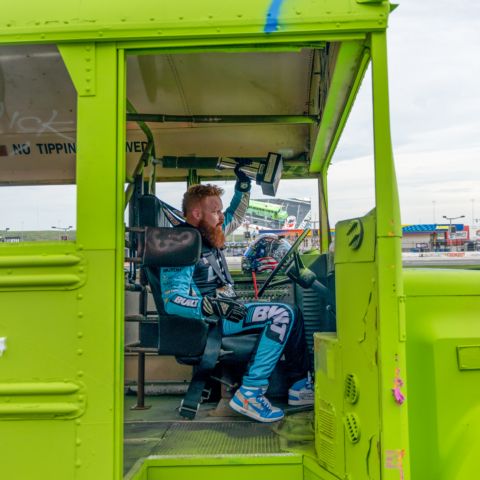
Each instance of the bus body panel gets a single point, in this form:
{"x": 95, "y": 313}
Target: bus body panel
{"x": 443, "y": 361}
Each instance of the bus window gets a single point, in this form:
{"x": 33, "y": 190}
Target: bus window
{"x": 288, "y": 190}
{"x": 351, "y": 188}
{"x": 36, "y": 213}
{"x": 171, "y": 193}
{"x": 286, "y": 214}
{"x": 37, "y": 146}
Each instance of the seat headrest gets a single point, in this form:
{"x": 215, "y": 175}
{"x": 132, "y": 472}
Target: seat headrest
{"x": 171, "y": 247}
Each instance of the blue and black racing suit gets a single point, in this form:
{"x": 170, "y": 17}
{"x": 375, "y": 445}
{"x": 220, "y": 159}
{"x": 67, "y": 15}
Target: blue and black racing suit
{"x": 280, "y": 325}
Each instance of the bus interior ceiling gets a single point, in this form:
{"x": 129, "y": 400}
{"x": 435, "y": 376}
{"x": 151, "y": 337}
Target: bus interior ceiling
{"x": 225, "y": 104}
{"x": 274, "y": 97}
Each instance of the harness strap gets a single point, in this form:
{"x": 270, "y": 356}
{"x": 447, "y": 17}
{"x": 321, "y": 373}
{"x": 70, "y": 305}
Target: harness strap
{"x": 222, "y": 273}
{"x": 225, "y": 268}
{"x": 192, "y": 399}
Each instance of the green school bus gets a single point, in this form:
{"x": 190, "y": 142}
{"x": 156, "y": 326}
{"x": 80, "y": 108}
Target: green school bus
{"x": 116, "y": 99}
{"x": 268, "y": 210}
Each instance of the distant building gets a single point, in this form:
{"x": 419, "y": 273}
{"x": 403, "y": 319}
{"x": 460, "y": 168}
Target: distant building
{"x": 10, "y": 239}
{"x": 428, "y": 237}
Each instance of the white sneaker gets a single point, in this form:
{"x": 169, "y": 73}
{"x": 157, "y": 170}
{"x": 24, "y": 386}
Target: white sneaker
{"x": 301, "y": 393}
{"x": 251, "y": 401}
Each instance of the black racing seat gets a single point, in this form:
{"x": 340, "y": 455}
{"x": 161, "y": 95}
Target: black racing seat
{"x": 185, "y": 338}
{"x": 191, "y": 341}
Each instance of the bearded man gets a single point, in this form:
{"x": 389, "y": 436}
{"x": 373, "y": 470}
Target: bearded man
{"x": 206, "y": 289}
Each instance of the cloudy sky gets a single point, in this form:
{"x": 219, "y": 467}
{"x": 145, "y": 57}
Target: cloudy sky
{"x": 434, "y": 66}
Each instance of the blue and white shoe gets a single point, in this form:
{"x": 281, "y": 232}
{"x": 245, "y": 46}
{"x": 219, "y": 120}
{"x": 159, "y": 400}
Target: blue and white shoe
{"x": 251, "y": 401}
{"x": 301, "y": 393}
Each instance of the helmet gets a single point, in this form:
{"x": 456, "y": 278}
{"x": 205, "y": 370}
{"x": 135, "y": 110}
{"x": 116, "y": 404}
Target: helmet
{"x": 264, "y": 253}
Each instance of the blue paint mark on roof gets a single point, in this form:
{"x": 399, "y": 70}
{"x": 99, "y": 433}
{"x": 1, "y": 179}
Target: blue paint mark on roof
{"x": 271, "y": 25}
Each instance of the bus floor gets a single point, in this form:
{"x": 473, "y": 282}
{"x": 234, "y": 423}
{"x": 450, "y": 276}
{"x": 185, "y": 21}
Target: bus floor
{"x": 160, "y": 430}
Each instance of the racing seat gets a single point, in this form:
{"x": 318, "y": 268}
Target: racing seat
{"x": 191, "y": 341}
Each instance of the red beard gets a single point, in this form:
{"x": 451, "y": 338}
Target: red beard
{"x": 212, "y": 235}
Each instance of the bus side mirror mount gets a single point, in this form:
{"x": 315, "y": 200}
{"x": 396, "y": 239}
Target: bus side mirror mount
{"x": 266, "y": 173}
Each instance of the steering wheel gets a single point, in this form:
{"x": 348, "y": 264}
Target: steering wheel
{"x": 287, "y": 259}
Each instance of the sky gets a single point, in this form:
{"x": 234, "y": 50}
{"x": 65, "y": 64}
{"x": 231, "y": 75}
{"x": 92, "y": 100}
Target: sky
{"x": 434, "y": 67}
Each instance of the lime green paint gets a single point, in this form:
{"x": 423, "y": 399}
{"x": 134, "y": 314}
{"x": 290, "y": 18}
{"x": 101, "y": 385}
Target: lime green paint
{"x": 61, "y": 394}
{"x": 39, "y": 260}
{"x": 468, "y": 357}
{"x": 73, "y": 336}
{"x": 358, "y": 343}
{"x": 89, "y": 20}
{"x": 119, "y": 333}
{"x": 452, "y": 282}
{"x": 56, "y": 377}
{"x": 58, "y": 265}
{"x": 444, "y": 413}
{"x": 370, "y": 341}
{"x": 53, "y": 388}
{"x": 249, "y": 43}
{"x": 386, "y": 192}
{"x": 82, "y": 66}
{"x": 96, "y": 133}
{"x": 391, "y": 346}
{"x": 313, "y": 471}
{"x": 151, "y": 48}
{"x": 24, "y": 411}
{"x": 274, "y": 467}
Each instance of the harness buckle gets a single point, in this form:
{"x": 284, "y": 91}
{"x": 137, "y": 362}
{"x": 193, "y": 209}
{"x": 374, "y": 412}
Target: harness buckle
{"x": 188, "y": 412}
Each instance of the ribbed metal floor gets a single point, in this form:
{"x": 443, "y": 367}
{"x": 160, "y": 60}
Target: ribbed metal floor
{"x": 206, "y": 438}
{"x": 143, "y": 439}
{"x": 159, "y": 431}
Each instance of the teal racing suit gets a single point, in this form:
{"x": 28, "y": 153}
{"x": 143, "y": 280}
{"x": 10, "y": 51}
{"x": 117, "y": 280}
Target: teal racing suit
{"x": 280, "y": 325}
